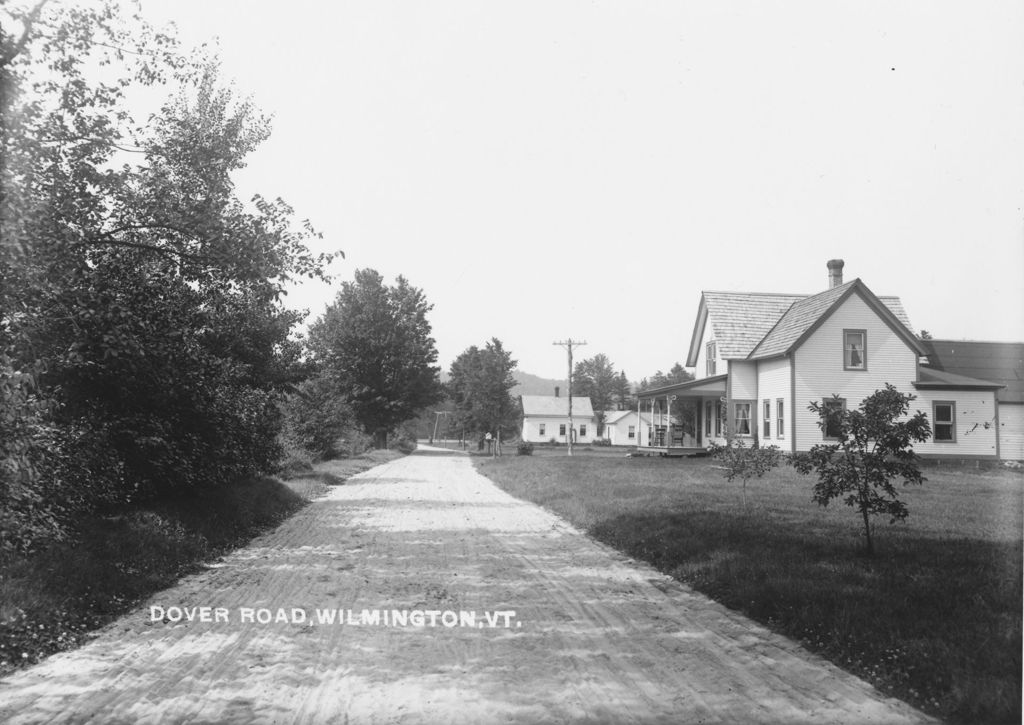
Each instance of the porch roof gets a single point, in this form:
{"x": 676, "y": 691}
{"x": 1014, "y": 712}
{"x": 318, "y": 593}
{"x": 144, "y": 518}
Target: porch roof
{"x": 713, "y": 385}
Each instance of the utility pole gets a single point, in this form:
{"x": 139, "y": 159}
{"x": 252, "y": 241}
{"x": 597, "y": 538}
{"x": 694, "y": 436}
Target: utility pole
{"x": 568, "y": 345}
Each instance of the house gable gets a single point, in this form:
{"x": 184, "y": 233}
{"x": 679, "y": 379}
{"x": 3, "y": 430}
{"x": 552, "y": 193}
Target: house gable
{"x": 805, "y": 316}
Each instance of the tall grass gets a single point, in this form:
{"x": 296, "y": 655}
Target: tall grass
{"x": 934, "y": 618}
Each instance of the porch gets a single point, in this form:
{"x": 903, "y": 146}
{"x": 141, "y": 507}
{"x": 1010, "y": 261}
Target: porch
{"x": 681, "y": 419}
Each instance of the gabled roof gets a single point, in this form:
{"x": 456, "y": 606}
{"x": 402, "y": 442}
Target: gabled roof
{"x": 741, "y": 321}
{"x": 611, "y": 417}
{"x": 550, "y": 405}
{"x": 805, "y": 315}
{"x": 998, "y": 362}
{"x": 940, "y": 379}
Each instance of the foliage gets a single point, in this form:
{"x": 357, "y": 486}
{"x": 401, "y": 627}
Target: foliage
{"x": 622, "y": 392}
{"x": 874, "y": 447}
{"x": 374, "y": 343}
{"x": 677, "y": 374}
{"x": 595, "y": 378}
{"x": 740, "y": 461}
{"x": 525, "y": 448}
{"x": 143, "y": 346}
{"x": 478, "y": 385}
{"x": 317, "y": 417}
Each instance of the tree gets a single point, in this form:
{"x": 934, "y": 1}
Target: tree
{"x": 143, "y": 345}
{"x": 374, "y": 341}
{"x": 622, "y": 392}
{"x": 874, "y": 447}
{"x": 594, "y": 378}
{"x": 479, "y": 384}
{"x": 739, "y": 461}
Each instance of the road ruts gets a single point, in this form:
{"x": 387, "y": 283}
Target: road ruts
{"x": 601, "y": 638}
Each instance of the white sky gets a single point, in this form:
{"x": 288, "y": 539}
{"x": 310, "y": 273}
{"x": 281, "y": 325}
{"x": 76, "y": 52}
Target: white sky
{"x": 553, "y": 169}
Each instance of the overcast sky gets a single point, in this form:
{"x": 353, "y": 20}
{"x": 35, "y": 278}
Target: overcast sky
{"x": 545, "y": 170}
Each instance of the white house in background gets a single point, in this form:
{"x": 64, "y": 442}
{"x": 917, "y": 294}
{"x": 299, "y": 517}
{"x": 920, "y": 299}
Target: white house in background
{"x": 621, "y": 427}
{"x": 999, "y": 362}
{"x": 546, "y": 418}
{"x": 762, "y": 358}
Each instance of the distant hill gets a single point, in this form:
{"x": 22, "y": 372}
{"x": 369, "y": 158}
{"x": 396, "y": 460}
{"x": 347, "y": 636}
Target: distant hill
{"x": 527, "y": 384}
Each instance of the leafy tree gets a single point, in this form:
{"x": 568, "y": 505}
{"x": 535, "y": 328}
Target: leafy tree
{"x": 739, "y": 461}
{"x": 622, "y": 392}
{"x": 374, "y": 341}
{"x": 479, "y": 384}
{"x": 317, "y": 417}
{"x": 874, "y": 447}
{"x": 143, "y": 346}
{"x": 595, "y": 378}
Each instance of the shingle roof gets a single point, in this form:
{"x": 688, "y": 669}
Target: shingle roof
{"x": 550, "y": 405}
{"x": 760, "y": 325}
{"x": 740, "y": 320}
{"x": 999, "y": 362}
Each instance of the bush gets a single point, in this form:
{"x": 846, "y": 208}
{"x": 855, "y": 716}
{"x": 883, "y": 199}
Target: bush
{"x": 601, "y": 442}
{"x": 525, "y": 448}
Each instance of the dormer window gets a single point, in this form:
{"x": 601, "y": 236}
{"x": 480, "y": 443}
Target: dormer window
{"x": 855, "y": 350}
{"x": 712, "y": 357}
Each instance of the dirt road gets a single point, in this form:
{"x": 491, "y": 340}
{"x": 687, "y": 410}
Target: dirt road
{"x": 595, "y": 637}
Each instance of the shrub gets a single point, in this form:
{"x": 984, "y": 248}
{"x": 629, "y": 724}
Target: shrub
{"x": 601, "y": 442}
{"x": 525, "y": 448}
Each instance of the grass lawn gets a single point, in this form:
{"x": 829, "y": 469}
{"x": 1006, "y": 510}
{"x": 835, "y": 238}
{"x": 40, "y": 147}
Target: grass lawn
{"x": 934, "y": 618}
{"x": 51, "y": 600}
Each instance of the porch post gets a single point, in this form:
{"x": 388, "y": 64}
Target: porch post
{"x": 639, "y": 420}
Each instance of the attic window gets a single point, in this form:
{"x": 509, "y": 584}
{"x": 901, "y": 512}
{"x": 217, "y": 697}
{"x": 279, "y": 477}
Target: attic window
{"x": 855, "y": 350}
{"x": 712, "y": 357}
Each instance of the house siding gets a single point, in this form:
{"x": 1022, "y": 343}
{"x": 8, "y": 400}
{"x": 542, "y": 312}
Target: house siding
{"x": 773, "y": 384}
{"x": 975, "y": 422}
{"x": 531, "y": 429}
{"x": 820, "y": 373}
{"x": 1011, "y": 432}
{"x": 700, "y": 370}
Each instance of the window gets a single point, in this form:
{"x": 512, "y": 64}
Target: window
{"x": 742, "y": 418}
{"x": 712, "y": 357}
{"x": 855, "y": 350}
{"x": 707, "y": 418}
{"x": 561, "y": 429}
{"x": 780, "y": 419}
{"x": 832, "y": 427}
{"x": 944, "y": 421}
{"x": 541, "y": 429}
{"x": 767, "y": 420}
{"x": 583, "y": 431}
{"x": 632, "y": 432}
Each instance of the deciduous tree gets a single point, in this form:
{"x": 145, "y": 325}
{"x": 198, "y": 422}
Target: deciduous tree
{"x": 479, "y": 383}
{"x": 874, "y": 448}
{"x": 375, "y": 342}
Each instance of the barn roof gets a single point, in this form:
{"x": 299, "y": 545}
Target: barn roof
{"x": 556, "y": 406}
{"x": 998, "y": 362}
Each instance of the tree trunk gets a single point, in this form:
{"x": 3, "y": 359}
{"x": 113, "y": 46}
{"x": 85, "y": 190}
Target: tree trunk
{"x": 380, "y": 439}
{"x": 869, "y": 547}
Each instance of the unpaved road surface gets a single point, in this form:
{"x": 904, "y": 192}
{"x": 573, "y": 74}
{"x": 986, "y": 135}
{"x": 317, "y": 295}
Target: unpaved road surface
{"x": 596, "y": 637}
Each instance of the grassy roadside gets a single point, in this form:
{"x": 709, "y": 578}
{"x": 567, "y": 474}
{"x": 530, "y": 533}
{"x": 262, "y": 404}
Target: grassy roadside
{"x": 934, "y": 619}
{"x": 52, "y": 600}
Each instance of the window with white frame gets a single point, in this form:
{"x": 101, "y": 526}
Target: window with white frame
{"x": 780, "y": 418}
{"x": 540, "y": 429}
{"x": 712, "y": 357}
{"x": 632, "y": 432}
{"x": 741, "y": 418}
{"x": 944, "y": 421}
{"x": 766, "y": 419}
{"x": 583, "y": 431}
{"x": 708, "y": 408}
{"x": 561, "y": 430}
{"x": 855, "y": 350}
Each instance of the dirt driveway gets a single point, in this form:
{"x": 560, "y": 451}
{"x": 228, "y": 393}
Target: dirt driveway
{"x": 595, "y": 636}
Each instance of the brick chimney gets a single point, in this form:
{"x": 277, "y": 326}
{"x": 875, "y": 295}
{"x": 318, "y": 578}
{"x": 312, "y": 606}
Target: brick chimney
{"x": 835, "y": 273}
{"x": 556, "y": 391}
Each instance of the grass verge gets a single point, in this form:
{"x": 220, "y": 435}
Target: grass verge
{"x": 52, "y": 600}
{"x": 934, "y": 618}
